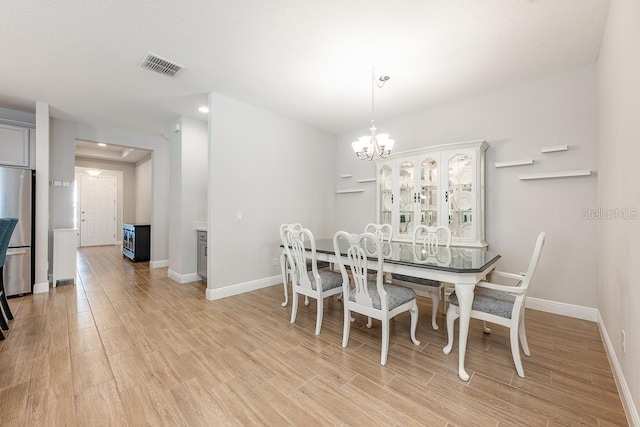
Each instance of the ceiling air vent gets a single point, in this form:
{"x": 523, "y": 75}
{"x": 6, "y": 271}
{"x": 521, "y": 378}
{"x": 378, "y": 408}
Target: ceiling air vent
{"x": 160, "y": 65}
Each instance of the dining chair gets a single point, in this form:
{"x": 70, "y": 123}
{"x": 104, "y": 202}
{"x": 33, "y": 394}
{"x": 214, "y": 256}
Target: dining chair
{"x": 427, "y": 241}
{"x": 501, "y": 304}
{"x": 285, "y": 265}
{"x": 314, "y": 283}
{"x": 370, "y": 296}
{"x": 7, "y": 225}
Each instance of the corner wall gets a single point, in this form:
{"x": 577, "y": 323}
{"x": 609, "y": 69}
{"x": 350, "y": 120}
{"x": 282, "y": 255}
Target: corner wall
{"x": 272, "y": 170}
{"x": 618, "y": 183}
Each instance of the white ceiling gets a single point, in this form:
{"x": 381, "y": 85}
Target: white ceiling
{"x": 308, "y": 60}
{"x": 114, "y": 153}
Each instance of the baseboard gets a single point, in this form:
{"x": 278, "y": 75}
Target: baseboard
{"x": 40, "y": 288}
{"x": 623, "y": 389}
{"x": 183, "y": 278}
{"x": 159, "y": 264}
{"x": 563, "y": 309}
{"x": 240, "y": 288}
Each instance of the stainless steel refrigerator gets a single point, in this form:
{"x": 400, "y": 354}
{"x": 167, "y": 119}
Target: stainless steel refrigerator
{"x": 17, "y": 200}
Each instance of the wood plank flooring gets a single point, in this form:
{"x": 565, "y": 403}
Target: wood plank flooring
{"x": 125, "y": 345}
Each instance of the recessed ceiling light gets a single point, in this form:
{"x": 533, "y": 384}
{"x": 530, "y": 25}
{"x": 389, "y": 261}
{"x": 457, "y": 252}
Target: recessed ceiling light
{"x": 203, "y": 109}
{"x": 101, "y": 144}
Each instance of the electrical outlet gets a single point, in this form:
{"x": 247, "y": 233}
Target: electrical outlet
{"x": 239, "y": 216}
{"x": 624, "y": 342}
{"x": 274, "y": 262}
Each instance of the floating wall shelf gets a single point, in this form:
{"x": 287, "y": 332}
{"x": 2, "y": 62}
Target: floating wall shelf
{"x": 564, "y": 174}
{"x": 353, "y": 190}
{"x": 367, "y": 180}
{"x": 346, "y": 175}
{"x": 513, "y": 163}
{"x": 554, "y": 148}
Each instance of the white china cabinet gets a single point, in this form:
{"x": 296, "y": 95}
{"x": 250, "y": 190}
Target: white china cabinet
{"x": 436, "y": 186}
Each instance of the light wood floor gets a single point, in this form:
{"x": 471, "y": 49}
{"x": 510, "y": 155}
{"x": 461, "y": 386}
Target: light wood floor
{"x": 127, "y": 346}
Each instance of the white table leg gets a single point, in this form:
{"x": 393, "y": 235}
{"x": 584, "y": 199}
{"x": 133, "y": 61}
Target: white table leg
{"x": 465, "y": 300}
{"x": 285, "y": 279}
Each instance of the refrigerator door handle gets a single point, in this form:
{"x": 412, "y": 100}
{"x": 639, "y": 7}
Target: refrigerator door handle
{"x": 16, "y": 252}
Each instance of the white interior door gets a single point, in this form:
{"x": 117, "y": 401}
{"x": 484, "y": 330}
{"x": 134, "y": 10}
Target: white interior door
{"x": 97, "y": 210}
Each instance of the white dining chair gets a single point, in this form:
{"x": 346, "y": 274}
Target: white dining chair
{"x": 314, "y": 283}
{"x": 501, "y": 304}
{"x": 368, "y": 297}
{"x": 427, "y": 242}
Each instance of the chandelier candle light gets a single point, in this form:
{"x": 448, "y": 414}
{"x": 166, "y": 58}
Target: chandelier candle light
{"x": 367, "y": 147}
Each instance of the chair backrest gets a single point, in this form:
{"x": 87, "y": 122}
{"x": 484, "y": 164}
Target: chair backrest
{"x": 534, "y": 260}
{"x": 430, "y": 239}
{"x": 384, "y": 233}
{"x": 7, "y": 225}
{"x": 296, "y": 241}
{"x": 357, "y": 260}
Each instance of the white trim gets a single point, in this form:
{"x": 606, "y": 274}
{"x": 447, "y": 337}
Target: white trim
{"x": 513, "y": 163}
{"x": 554, "y": 148}
{"x": 355, "y": 190}
{"x": 563, "y": 174}
{"x": 623, "y": 388}
{"x": 40, "y": 288}
{"x": 183, "y": 278}
{"x": 159, "y": 264}
{"x": 563, "y": 309}
{"x": 240, "y": 288}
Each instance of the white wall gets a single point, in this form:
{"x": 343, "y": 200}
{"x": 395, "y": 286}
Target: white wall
{"x": 271, "y": 169}
{"x": 64, "y": 134}
{"x": 188, "y": 172}
{"x": 618, "y": 180}
{"x": 516, "y": 122}
{"x": 143, "y": 184}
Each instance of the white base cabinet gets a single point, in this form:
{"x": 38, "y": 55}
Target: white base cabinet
{"x": 65, "y": 244}
{"x": 435, "y": 186}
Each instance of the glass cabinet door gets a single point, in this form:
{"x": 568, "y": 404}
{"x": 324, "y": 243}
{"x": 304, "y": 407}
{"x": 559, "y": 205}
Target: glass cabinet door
{"x": 461, "y": 202}
{"x": 429, "y": 192}
{"x": 385, "y": 182}
{"x": 408, "y": 198}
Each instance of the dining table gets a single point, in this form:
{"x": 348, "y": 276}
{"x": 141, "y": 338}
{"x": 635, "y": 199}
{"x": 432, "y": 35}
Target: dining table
{"x": 464, "y": 267}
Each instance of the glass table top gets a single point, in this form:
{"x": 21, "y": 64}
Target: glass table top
{"x": 454, "y": 259}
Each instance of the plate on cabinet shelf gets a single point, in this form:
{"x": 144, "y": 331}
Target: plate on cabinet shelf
{"x": 465, "y": 230}
{"x": 463, "y": 201}
{"x": 386, "y": 184}
{"x": 387, "y": 203}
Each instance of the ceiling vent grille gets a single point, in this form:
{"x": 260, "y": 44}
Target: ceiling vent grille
{"x": 160, "y": 65}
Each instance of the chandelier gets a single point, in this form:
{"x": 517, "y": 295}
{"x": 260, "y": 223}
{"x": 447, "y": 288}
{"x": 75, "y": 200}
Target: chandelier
{"x": 367, "y": 147}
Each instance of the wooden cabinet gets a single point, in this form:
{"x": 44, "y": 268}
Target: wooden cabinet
{"x": 136, "y": 242}
{"x": 65, "y": 244}
{"x": 202, "y": 254}
{"x": 15, "y": 145}
{"x": 435, "y": 186}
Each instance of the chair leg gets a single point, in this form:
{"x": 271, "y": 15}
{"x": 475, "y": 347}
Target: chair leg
{"x": 414, "y": 322}
{"x": 294, "y": 305}
{"x": 515, "y": 350}
{"x": 435, "y": 302}
{"x": 319, "y": 309}
{"x": 452, "y": 314}
{"x": 485, "y": 329}
{"x": 345, "y": 329}
{"x": 3, "y": 323}
{"x": 3, "y": 296}
{"x": 385, "y": 342}
{"x": 1, "y": 336}
{"x": 523, "y": 337}
{"x": 369, "y": 322}
{"x": 306, "y": 300}
{"x": 285, "y": 278}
